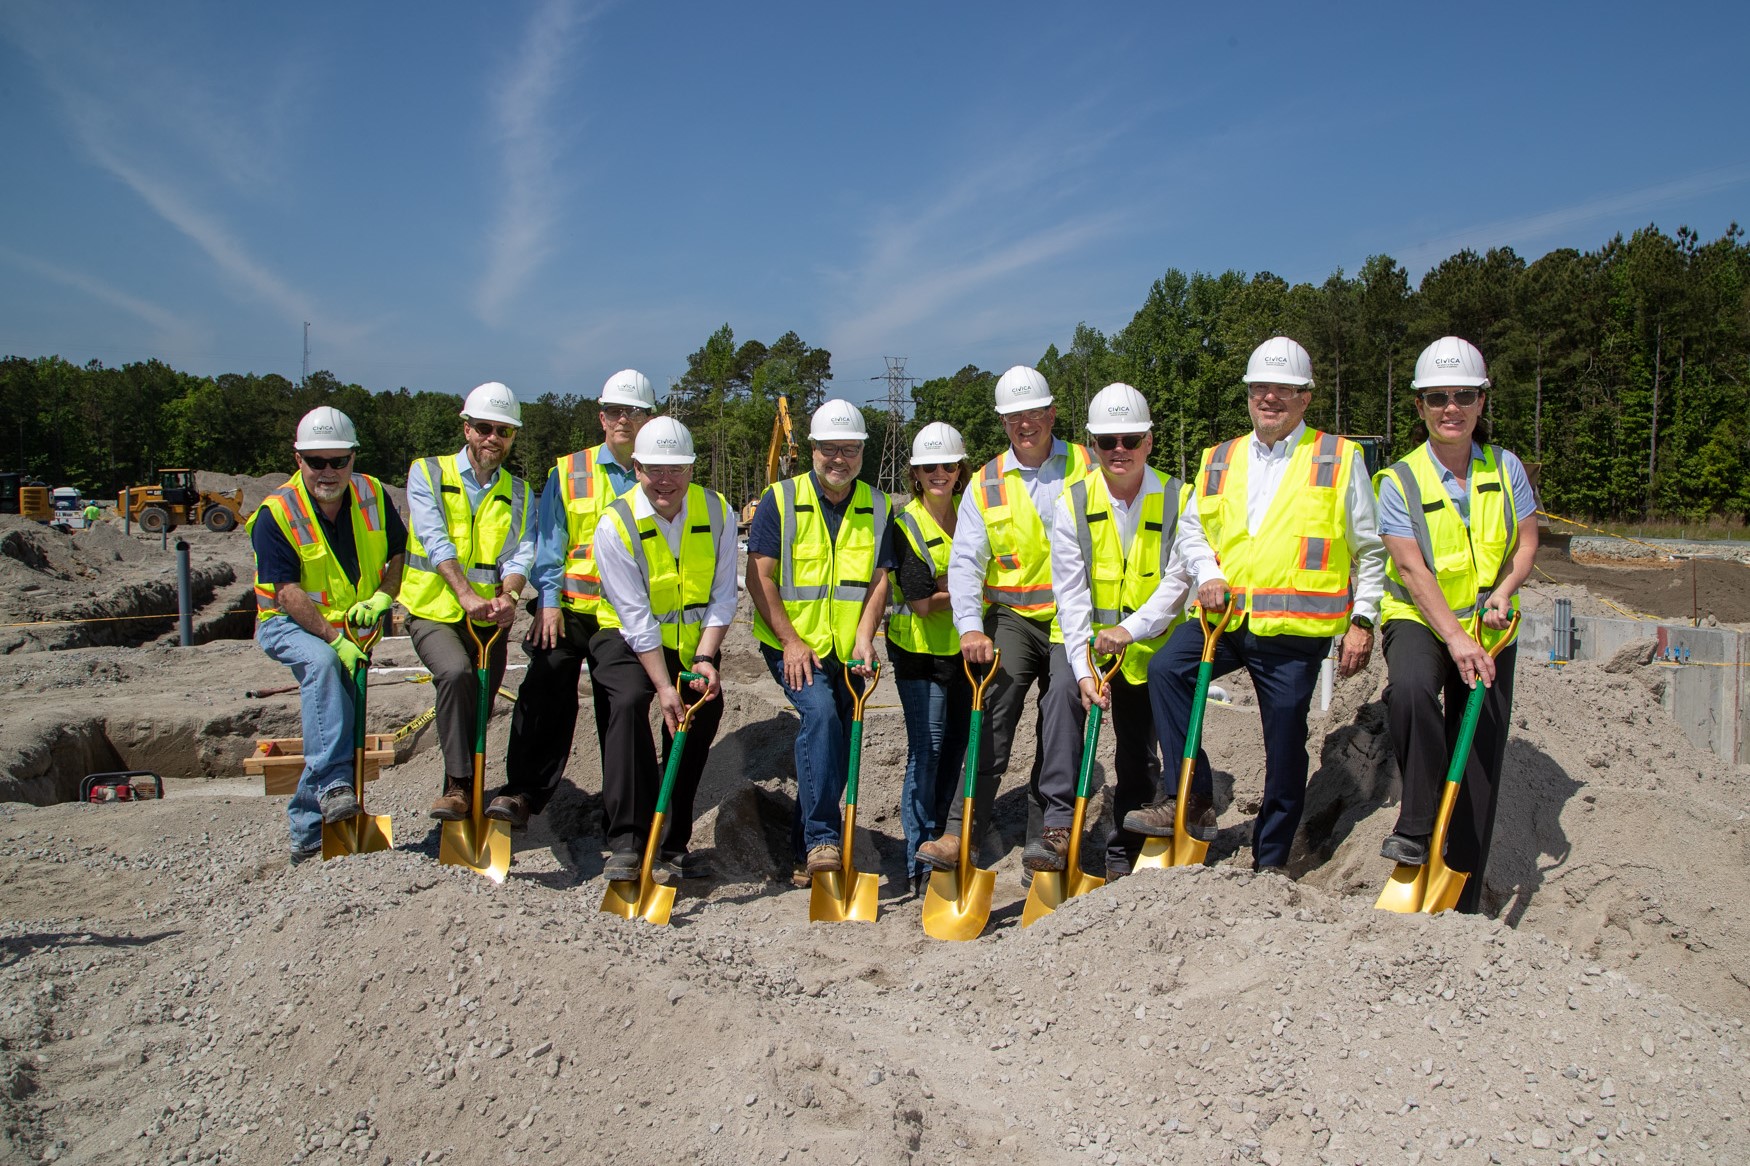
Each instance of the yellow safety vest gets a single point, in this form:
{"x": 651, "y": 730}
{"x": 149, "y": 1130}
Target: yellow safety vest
{"x": 479, "y": 537}
{"x": 1121, "y": 583}
{"x": 933, "y": 634}
{"x": 319, "y": 572}
{"x": 679, "y": 589}
{"x": 586, "y": 490}
{"x": 1018, "y": 575}
{"x": 1465, "y": 560}
{"x": 824, "y": 582}
{"x": 1293, "y": 575}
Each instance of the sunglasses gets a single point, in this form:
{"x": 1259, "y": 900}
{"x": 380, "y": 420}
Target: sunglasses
{"x": 1111, "y": 441}
{"x": 937, "y": 467}
{"x": 839, "y": 452}
{"x": 623, "y": 412}
{"x": 326, "y": 463}
{"x": 1463, "y": 398}
{"x": 488, "y": 429}
{"x": 1282, "y": 392}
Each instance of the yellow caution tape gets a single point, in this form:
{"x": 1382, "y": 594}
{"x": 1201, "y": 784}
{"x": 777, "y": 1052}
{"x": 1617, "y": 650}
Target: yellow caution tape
{"x": 417, "y": 723}
{"x": 1666, "y": 551}
{"x": 112, "y": 618}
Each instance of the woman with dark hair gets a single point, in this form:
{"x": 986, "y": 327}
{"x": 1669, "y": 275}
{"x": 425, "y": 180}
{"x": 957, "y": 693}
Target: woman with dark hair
{"x": 923, "y": 646}
{"x": 1454, "y": 515}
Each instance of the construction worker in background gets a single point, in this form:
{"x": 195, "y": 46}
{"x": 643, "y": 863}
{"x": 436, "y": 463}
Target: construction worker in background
{"x": 1280, "y": 523}
{"x": 922, "y": 645}
{"x": 1456, "y": 516}
{"x": 470, "y": 553}
{"x": 91, "y": 515}
{"x": 666, "y": 554}
{"x": 331, "y": 551}
{"x": 999, "y": 581}
{"x": 818, "y": 554}
{"x": 573, "y": 501}
{"x": 1118, "y": 584}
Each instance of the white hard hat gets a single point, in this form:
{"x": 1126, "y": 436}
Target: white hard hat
{"x": 1279, "y": 361}
{"x": 664, "y": 442}
{"x": 326, "y": 427}
{"x": 1022, "y": 388}
{"x": 1450, "y": 362}
{"x": 1118, "y": 408}
{"x": 837, "y": 420}
{"x": 937, "y": 443}
{"x": 493, "y": 401}
{"x": 629, "y": 387}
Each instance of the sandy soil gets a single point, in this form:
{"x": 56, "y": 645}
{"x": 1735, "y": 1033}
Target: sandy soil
{"x": 174, "y": 992}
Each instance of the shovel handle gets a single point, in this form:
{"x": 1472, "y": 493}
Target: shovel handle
{"x": 860, "y": 694}
{"x": 693, "y": 707}
{"x": 1473, "y": 708}
{"x": 365, "y": 642}
{"x": 482, "y": 647}
{"x": 1102, "y": 677}
{"x": 978, "y": 686}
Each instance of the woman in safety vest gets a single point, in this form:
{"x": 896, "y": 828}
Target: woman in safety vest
{"x": 1454, "y": 515}
{"x": 923, "y": 646}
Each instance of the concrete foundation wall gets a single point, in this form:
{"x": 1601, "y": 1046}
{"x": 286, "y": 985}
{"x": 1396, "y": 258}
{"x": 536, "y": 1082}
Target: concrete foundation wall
{"x": 1706, "y": 682}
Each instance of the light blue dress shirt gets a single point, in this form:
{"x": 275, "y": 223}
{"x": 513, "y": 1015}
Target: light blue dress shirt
{"x": 427, "y": 519}
{"x": 1394, "y": 517}
{"x": 555, "y": 541}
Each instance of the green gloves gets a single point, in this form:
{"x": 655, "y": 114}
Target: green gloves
{"x": 366, "y": 612}
{"x": 352, "y": 657}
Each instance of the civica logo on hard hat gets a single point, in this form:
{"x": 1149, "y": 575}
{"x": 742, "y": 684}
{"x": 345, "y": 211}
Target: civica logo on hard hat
{"x": 322, "y": 427}
{"x": 933, "y": 443}
{"x": 1447, "y": 362}
{"x": 667, "y": 442}
{"x": 1119, "y": 410}
{"x": 1272, "y": 358}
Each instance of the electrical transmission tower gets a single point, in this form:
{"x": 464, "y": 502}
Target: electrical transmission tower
{"x": 893, "y": 460}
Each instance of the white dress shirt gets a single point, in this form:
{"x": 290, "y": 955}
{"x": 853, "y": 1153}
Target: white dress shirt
{"x": 622, "y": 572}
{"x": 1075, "y": 598}
{"x": 1264, "y": 472}
{"x": 970, "y": 554}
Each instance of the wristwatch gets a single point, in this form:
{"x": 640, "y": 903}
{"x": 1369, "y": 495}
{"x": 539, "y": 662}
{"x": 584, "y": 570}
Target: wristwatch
{"x": 514, "y": 596}
{"x": 1361, "y": 622}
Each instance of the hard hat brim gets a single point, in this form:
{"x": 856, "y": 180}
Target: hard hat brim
{"x": 666, "y": 459}
{"x": 491, "y": 415}
{"x": 315, "y": 446}
{"x": 1296, "y": 382}
{"x": 1023, "y": 406}
{"x": 945, "y": 460}
{"x": 1105, "y": 428}
{"x": 1449, "y": 382}
{"x": 838, "y": 435}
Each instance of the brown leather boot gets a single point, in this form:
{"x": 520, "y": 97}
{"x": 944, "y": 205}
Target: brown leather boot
{"x": 943, "y": 853}
{"x": 454, "y": 805}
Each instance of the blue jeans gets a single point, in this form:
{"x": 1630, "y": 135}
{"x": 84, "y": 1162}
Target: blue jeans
{"x": 822, "y": 751}
{"x": 325, "y": 700}
{"x": 937, "y": 718}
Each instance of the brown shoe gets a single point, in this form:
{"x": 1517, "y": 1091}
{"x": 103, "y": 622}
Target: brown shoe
{"x": 454, "y": 805}
{"x": 1050, "y": 851}
{"x": 943, "y": 853}
{"x": 800, "y": 878}
{"x": 512, "y": 808}
{"x": 1156, "y": 818}
{"x": 825, "y": 858}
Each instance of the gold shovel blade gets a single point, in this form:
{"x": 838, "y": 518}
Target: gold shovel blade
{"x": 829, "y": 902}
{"x": 362, "y": 834}
{"x": 1051, "y": 887}
{"x": 956, "y": 913}
{"x": 486, "y": 852}
{"x": 1428, "y": 889}
{"x": 1177, "y": 850}
{"x": 640, "y": 898}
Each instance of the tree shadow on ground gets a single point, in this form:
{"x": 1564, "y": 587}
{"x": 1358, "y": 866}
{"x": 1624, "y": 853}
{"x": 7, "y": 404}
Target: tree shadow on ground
{"x": 17, "y": 947}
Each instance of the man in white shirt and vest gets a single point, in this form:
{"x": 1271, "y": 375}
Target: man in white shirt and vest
{"x": 1000, "y": 589}
{"x": 1280, "y": 524}
{"x": 579, "y": 489}
{"x": 666, "y": 554}
{"x": 468, "y": 556}
{"x": 1118, "y": 583}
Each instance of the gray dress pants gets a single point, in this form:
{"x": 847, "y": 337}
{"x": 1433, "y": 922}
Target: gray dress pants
{"x": 449, "y": 652}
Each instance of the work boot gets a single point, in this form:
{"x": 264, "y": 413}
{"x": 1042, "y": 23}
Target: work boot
{"x": 919, "y": 883}
{"x": 622, "y": 866}
{"x": 694, "y": 864}
{"x": 825, "y": 858}
{"x": 339, "y": 804}
{"x": 1049, "y": 851}
{"x": 1116, "y": 870}
{"x": 943, "y": 853}
{"x": 799, "y": 876}
{"x": 1409, "y": 849}
{"x": 455, "y": 803}
{"x": 1156, "y": 819}
{"x": 512, "y": 808}
{"x": 300, "y": 856}
{"x": 1273, "y": 868}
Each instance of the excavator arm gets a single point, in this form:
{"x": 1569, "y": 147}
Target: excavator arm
{"x": 781, "y": 454}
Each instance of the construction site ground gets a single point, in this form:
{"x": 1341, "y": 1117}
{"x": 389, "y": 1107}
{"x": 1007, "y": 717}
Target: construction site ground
{"x": 173, "y": 991}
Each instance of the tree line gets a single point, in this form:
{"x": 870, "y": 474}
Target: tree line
{"x": 1624, "y": 371}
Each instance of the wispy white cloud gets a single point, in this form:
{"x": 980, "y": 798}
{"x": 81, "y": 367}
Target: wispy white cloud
{"x": 170, "y": 326}
{"x": 529, "y": 147}
{"x": 1517, "y": 232}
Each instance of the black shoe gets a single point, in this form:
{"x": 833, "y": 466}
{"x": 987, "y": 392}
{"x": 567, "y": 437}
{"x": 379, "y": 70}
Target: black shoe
{"x": 622, "y": 866}
{"x": 694, "y": 864}
{"x": 339, "y": 804}
{"x": 300, "y": 857}
{"x": 919, "y": 884}
{"x": 1409, "y": 849}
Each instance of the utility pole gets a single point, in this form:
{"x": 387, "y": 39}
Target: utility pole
{"x": 305, "y": 379}
{"x": 892, "y": 477}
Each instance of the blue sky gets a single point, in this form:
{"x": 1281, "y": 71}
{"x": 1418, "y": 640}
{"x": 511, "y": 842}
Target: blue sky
{"x": 543, "y": 191}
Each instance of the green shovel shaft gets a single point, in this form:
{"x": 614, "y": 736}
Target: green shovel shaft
{"x": 974, "y": 729}
{"x": 484, "y": 712}
{"x": 1090, "y": 742}
{"x": 1194, "y": 729}
{"x": 361, "y": 678}
{"x": 856, "y": 762}
{"x": 1467, "y": 731}
{"x": 675, "y": 748}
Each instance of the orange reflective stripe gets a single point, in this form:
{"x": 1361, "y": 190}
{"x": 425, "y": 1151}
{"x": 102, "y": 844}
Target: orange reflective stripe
{"x": 1215, "y": 473}
{"x": 1315, "y": 554}
{"x": 1325, "y": 461}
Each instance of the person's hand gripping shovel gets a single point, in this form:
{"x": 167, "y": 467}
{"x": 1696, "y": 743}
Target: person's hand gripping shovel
{"x": 957, "y": 902}
{"x": 848, "y": 893}
{"x": 644, "y": 897}
{"x": 1182, "y": 849}
{"x": 1051, "y": 887}
{"x": 362, "y": 833}
{"x": 1434, "y": 887}
{"x": 477, "y": 842}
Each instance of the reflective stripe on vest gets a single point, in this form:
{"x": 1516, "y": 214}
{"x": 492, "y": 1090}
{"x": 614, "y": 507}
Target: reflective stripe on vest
{"x": 823, "y": 583}
{"x": 931, "y": 634}
{"x": 478, "y": 533}
{"x": 1115, "y": 594}
{"x": 585, "y": 490}
{"x": 319, "y": 573}
{"x": 679, "y": 588}
{"x": 1018, "y": 575}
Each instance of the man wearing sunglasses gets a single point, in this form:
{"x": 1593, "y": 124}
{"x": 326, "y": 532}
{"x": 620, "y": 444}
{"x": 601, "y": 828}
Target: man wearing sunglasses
{"x": 331, "y": 550}
{"x": 999, "y": 586}
{"x": 470, "y": 553}
{"x": 1280, "y": 525}
{"x": 1117, "y": 583}
{"x": 578, "y": 492}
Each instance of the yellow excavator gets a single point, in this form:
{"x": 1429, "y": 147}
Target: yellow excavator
{"x": 781, "y": 455}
